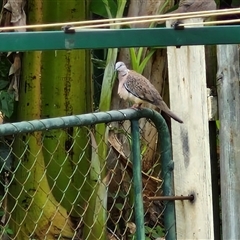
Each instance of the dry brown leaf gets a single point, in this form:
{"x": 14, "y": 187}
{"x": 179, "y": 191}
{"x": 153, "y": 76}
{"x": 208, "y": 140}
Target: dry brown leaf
{"x": 1, "y": 118}
{"x": 117, "y": 147}
{"x": 18, "y": 16}
{"x": 15, "y": 86}
{"x": 14, "y": 73}
{"x": 15, "y": 59}
{"x": 15, "y": 7}
{"x": 110, "y": 236}
{"x": 132, "y": 227}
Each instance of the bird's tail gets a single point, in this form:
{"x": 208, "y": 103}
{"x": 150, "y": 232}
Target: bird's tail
{"x": 173, "y": 116}
{"x": 163, "y": 106}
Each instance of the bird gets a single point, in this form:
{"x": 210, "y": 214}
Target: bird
{"x": 194, "y": 6}
{"x": 138, "y": 89}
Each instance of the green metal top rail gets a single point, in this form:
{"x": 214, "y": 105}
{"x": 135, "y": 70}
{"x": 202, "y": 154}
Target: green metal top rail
{"x": 110, "y": 38}
{"x": 81, "y": 120}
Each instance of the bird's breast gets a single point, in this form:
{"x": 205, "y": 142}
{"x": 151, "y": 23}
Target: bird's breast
{"x": 126, "y": 95}
{"x": 122, "y": 92}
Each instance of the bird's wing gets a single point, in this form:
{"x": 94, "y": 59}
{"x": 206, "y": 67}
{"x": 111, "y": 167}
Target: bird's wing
{"x": 197, "y": 5}
{"x": 186, "y": 3}
{"x": 141, "y": 88}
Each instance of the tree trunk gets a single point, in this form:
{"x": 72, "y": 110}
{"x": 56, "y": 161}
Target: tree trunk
{"x": 54, "y": 83}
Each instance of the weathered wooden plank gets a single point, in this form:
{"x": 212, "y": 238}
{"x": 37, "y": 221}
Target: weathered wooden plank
{"x": 191, "y": 154}
{"x": 229, "y": 115}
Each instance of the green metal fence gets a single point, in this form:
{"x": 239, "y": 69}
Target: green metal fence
{"x": 52, "y": 186}
{"x": 124, "y": 38}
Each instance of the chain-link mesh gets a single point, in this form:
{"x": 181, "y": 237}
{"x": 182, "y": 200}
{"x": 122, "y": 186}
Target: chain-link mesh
{"x": 56, "y": 185}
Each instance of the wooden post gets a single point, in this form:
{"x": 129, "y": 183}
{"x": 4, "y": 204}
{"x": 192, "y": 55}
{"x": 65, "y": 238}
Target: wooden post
{"x": 191, "y": 153}
{"x": 229, "y": 115}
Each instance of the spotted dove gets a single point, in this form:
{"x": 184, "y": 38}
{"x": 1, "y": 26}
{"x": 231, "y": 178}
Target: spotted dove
{"x": 138, "y": 89}
{"x": 194, "y": 6}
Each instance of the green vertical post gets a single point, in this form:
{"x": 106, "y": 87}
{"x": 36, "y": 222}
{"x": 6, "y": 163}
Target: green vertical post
{"x": 137, "y": 180}
{"x": 164, "y": 144}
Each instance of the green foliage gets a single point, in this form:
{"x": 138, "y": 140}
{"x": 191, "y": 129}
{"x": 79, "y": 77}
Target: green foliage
{"x": 136, "y": 56}
{"x": 3, "y": 84}
{"x": 4, "y": 67}
{"x": 5, "y": 229}
{"x": 7, "y": 103}
{"x": 154, "y": 232}
{"x": 8, "y": 230}
{"x": 104, "y": 7}
{"x": 99, "y": 63}
{"x": 139, "y": 57}
{"x": 6, "y": 158}
{"x": 119, "y": 206}
{"x": 235, "y": 3}
{"x": 150, "y": 233}
{"x": 104, "y": 105}
{"x": 109, "y": 73}
{"x": 95, "y": 162}
{"x": 6, "y": 98}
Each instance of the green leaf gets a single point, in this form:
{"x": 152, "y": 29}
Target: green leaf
{"x": 95, "y": 171}
{"x": 3, "y": 84}
{"x": 134, "y": 60}
{"x": 132, "y": 236}
{"x": 155, "y": 235}
{"x": 235, "y": 3}
{"x": 119, "y": 206}
{"x": 98, "y": 63}
{"x": 99, "y": 7}
{"x": 145, "y": 61}
{"x": 160, "y": 231}
{"x": 9, "y": 231}
{"x": 5, "y": 157}
{"x": 108, "y": 8}
{"x": 148, "y": 229}
{"x": 122, "y": 194}
{"x": 144, "y": 148}
{"x": 139, "y": 54}
{"x": 4, "y": 66}
{"x": 6, "y": 103}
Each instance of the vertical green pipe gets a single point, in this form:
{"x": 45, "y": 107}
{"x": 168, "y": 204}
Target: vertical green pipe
{"x": 169, "y": 213}
{"x": 164, "y": 142}
{"x": 137, "y": 180}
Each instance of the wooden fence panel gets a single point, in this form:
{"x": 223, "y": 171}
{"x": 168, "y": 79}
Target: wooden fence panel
{"x": 191, "y": 154}
{"x": 229, "y": 115}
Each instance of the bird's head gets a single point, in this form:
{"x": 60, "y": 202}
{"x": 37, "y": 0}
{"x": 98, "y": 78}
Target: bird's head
{"x": 120, "y": 66}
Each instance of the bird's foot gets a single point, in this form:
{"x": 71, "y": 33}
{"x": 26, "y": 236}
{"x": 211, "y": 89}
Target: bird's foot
{"x": 176, "y": 25}
{"x": 136, "y": 106}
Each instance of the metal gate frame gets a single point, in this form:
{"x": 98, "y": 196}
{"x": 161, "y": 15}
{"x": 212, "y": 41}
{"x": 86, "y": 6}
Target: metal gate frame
{"x": 164, "y": 146}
